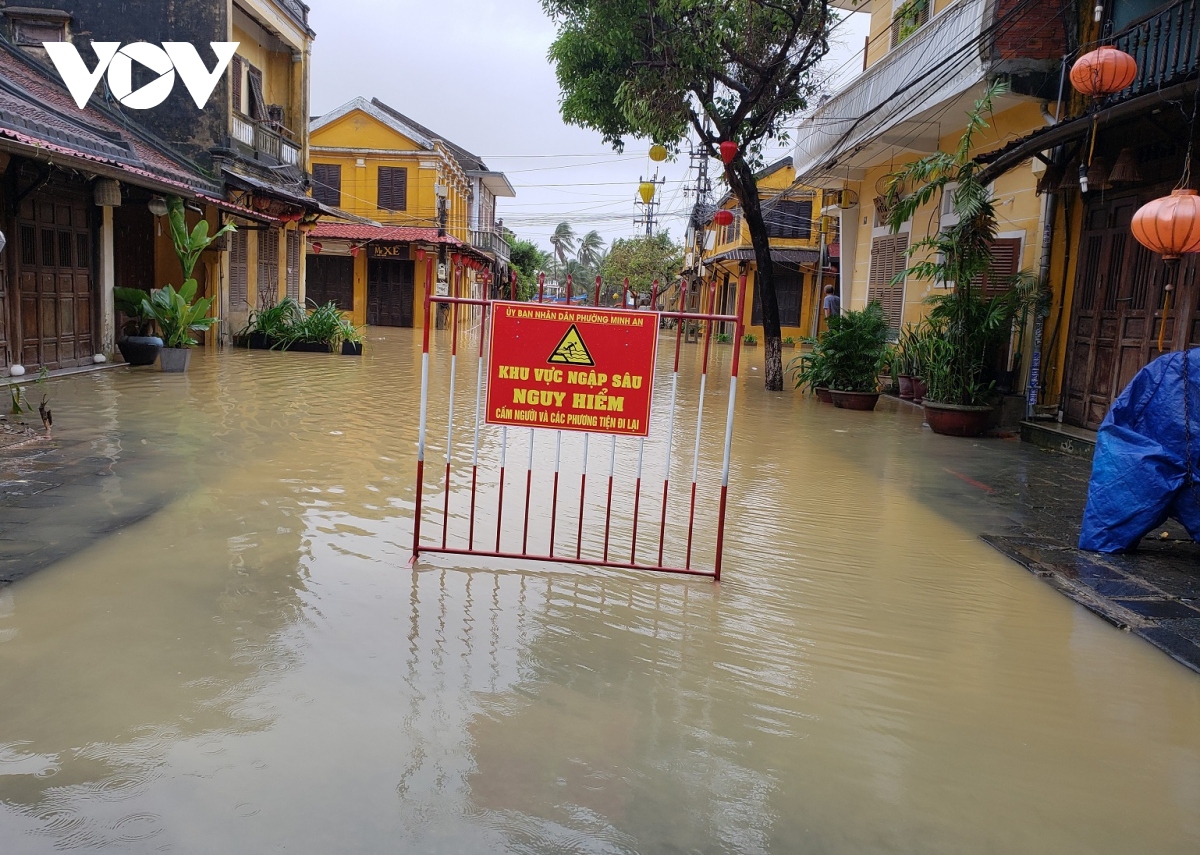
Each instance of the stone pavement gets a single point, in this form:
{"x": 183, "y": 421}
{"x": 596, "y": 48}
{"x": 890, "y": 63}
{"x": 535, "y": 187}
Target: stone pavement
{"x": 1028, "y": 503}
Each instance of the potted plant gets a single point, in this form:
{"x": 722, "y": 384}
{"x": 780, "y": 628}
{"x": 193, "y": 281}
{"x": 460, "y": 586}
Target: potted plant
{"x": 904, "y": 362}
{"x": 351, "y": 338}
{"x": 179, "y": 313}
{"x": 137, "y": 345}
{"x": 856, "y": 349}
{"x": 750, "y": 340}
{"x": 811, "y": 370}
{"x": 965, "y": 326}
{"x": 319, "y": 331}
{"x": 269, "y": 325}
{"x": 789, "y": 342}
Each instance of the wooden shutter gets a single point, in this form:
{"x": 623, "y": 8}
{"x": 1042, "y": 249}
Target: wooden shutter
{"x": 790, "y": 219}
{"x": 393, "y": 188}
{"x": 238, "y": 71}
{"x": 1006, "y": 261}
{"x": 888, "y": 259}
{"x": 239, "y": 270}
{"x": 327, "y": 184}
{"x": 258, "y": 105}
{"x": 268, "y": 266}
{"x": 293, "y": 265}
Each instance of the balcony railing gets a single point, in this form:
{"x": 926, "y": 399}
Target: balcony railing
{"x": 491, "y": 241}
{"x": 1166, "y": 47}
{"x": 263, "y": 140}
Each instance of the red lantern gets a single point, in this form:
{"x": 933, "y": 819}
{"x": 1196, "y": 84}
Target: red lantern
{"x": 354, "y": 248}
{"x": 729, "y": 150}
{"x": 1170, "y": 225}
{"x": 1103, "y": 71}
{"x": 457, "y": 259}
{"x": 317, "y": 247}
{"x": 420, "y": 255}
{"x": 723, "y": 217}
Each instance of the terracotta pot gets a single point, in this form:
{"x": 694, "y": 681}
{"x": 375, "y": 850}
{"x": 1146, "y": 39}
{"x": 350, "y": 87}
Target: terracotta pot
{"x": 174, "y": 360}
{"x": 956, "y": 420}
{"x": 854, "y": 400}
{"x": 823, "y": 395}
{"x": 920, "y": 390}
{"x": 906, "y": 387}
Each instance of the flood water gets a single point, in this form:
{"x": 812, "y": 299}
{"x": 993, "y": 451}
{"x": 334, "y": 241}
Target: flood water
{"x": 254, "y": 667}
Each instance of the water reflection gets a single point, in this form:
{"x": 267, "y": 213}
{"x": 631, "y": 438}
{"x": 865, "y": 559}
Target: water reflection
{"x": 254, "y": 665}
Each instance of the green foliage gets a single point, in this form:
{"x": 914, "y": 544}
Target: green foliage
{"x": 347, "y": 331}
{"x": 855, "y": 349}
{"x": 724, "y": 338}
{"x": 179, "y": 314}
{"x": 749, "y": 338}
{"x": 189, "y": 245}
{"x": 789, "y": 342}
{"x": 642, "y": 260}
{"x": 528, "y": 259}
{"x": 909, "y": 16}
{"x": 131, "y": 302}
{"x": 274, "y": 321}
{"x": 320, "y": 325}
{"x": 811, "y": 370}
{"x": 965, "y": 328}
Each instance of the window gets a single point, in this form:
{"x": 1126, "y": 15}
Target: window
{"x": 239, "y": 270}
{"x": 293, "y": 265}
{"x": 888, "y": 259}
{"x": 789, "y": 290}
{"x": 331, "y": 280}
{"x": 257, "y": 108}
{"x": 733, "y": 231}
{"x": 1006, "y": 261}
{"x": 237, "y": 84}
{"x": 268, "y": 266}
{"x": 247, "y": 89}
{"x": 789, "y": 219}
{"x": 907, "y": 19}
{"x": 327, "y": 184}
{"x": 393, "y": 188}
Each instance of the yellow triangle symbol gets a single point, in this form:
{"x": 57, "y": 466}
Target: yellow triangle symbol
{"x": 571, "y": 350}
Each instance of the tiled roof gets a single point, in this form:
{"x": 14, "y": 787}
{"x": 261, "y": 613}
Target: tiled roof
{"x": 355, "y": 231}
{"x": 37, "y": 111}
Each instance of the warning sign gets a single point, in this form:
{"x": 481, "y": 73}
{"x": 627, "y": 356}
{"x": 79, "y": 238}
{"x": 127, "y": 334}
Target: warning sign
{"x": 572, "y": 368}
{"x": 571, "y": 350}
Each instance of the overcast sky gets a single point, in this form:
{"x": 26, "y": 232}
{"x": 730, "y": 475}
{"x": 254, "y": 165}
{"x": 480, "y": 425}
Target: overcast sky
{"x": 475, "y": 71}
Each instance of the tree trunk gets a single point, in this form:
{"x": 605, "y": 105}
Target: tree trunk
{"x": 745, "y": 188}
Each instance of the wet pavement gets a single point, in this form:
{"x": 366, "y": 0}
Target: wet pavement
{"x": 250, "y": 665}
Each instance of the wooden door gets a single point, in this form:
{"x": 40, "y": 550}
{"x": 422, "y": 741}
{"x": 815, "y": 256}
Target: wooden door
{"x": 331, "y": 280}
{"x": 390, "y": 293}
{"x": 54, "y": 279}
{"x": 1117, "y": 314}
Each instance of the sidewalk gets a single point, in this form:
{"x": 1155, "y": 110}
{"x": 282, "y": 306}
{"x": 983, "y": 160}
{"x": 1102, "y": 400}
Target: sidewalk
{"x": 1028, "y": 503}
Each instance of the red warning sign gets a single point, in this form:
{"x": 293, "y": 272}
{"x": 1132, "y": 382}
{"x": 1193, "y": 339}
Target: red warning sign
{"x": 569, "y": 368}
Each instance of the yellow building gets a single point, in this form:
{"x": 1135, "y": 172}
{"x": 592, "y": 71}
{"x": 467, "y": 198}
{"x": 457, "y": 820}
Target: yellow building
{"x": 803, "y": 261}
{"x": 434, "y": 202}
{"x": 926, "y": 63}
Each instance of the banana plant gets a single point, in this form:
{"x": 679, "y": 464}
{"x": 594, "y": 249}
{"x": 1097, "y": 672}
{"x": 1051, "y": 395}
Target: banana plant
{"x": 189, "y": 245}
{"x": 177, "y": 315}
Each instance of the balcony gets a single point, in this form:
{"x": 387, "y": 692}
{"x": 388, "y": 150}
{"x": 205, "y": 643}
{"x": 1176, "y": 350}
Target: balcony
{"x": 264, "y": 143}
{"x": 296, "y": 10}
{"x": 491, "y": 241}
{"x": 1165, "y": 45}
{"x": 895, "y": 102}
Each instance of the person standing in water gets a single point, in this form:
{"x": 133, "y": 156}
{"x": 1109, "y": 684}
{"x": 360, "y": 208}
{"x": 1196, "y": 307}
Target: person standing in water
{"x": 832, "y": 305}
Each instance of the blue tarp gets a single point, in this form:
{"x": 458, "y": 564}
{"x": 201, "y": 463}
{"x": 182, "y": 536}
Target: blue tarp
{"x": 1140, "y": 473}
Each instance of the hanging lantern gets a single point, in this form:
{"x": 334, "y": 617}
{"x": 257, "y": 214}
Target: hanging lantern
{"x": 729, "y": 150}
{"x": 1103, "y": 71}
{"x": 317, "y": 247}
{"x": 457, "y": 259}
{"x": 1097, "y": 175}
{"x": 420, "y": 254}
{"x": 646, "y": 191}
{"x": 1125, "y": 170}
{"x": 1169, "y": 225}
{"x": 723, "y": 217}
{"x": 658, "y": 153}
{"x": 354, "y": 249}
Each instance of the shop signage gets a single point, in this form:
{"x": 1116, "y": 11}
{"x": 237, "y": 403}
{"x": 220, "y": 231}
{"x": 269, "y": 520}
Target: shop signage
{"x": 389, "y": 250}
{"x": 572, "y": 369}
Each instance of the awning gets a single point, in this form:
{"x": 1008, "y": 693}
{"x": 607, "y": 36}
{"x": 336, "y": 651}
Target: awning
{"x": 361, "y": 232}
{"x": 779, "y": 256}
{"x": 276, "y": 191}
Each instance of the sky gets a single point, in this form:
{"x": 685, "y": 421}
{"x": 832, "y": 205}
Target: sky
{"x": 476, "y": 72}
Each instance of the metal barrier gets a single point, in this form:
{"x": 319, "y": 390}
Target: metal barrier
{"x": 599, "y": 414}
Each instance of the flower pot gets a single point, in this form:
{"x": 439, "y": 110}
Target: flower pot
{"x": 957, "y": 420}
{"x": 174, "y": 360}
{"x": 258, "y": 341}
{"x": 823, "y": 395}
{"x": 919, "y": 390}
{"x": 352, "y": 348}
{"x": 140, "y": 349}
{"x": 854, "y": 400}
{"x": 310, "y": 347}
{"x": 906, "y": 387}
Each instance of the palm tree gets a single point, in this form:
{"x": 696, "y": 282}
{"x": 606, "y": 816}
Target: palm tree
{"x": 563, "y": 241}
{"x": 591, "y": 247}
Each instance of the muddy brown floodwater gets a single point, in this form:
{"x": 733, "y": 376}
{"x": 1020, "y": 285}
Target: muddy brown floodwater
{"x": 253, "y": 667}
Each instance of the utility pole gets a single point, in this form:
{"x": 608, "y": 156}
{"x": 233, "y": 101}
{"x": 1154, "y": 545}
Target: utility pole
{"x": 648, "y": 215}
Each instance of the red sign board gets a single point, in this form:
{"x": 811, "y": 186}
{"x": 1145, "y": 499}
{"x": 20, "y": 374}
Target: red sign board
{"x": 568, "y": 368}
